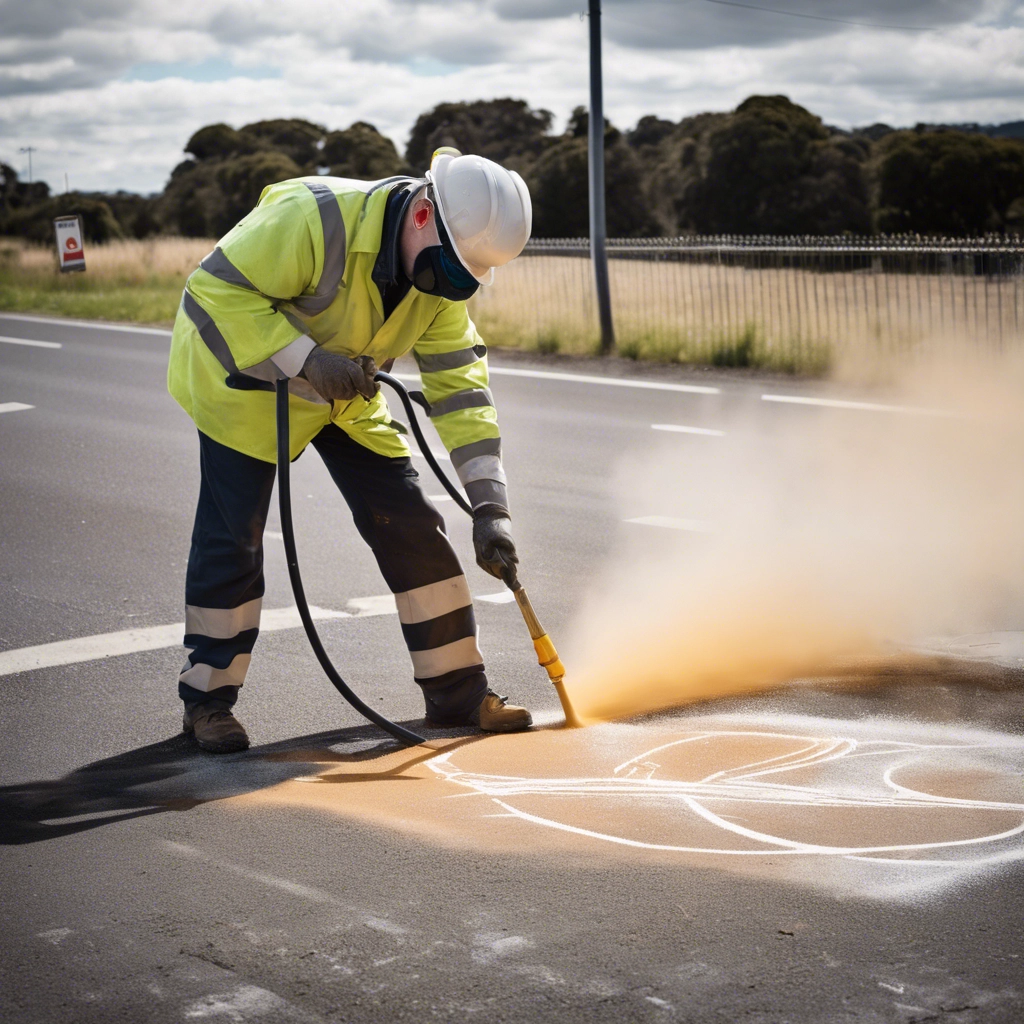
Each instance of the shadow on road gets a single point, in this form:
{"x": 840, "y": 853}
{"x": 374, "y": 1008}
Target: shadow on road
{"x": 174, "y": 775}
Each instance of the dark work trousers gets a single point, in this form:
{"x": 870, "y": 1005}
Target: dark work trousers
{"x": 224, "y": 582}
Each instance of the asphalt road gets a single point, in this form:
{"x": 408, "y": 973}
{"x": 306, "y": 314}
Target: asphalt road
{"x": 142, "y": 880}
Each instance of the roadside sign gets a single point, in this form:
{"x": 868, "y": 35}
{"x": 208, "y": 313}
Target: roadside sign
{"x": 70, "y": 253}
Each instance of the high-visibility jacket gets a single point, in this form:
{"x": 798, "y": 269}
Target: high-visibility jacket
{"x": 295, "y": 273}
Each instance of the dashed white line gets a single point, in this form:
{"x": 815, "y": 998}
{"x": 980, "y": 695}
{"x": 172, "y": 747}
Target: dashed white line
{"x": 440, "y": 497}
{"x": 840, "y": 403}
{"x": 503, "y": 597}
{"x": 30, "y": 343}
{"x": 678, "y": 428}
{"x": 671, "y": 523}
{"x": 613, "y": 382}
{"x": 14, "y": 406}
{"x": 273, "y": 534}
{"x": 584, "y": 378}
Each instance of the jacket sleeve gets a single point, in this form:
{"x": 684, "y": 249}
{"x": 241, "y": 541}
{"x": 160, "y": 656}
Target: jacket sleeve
{"x": 453, "y": 366}
{"x": 268, "y": 257}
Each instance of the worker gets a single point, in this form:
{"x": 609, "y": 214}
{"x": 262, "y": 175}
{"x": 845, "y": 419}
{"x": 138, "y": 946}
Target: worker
{"x": 324, "y": 281}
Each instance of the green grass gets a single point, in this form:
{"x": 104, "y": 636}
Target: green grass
{"x": 153, "y": 304}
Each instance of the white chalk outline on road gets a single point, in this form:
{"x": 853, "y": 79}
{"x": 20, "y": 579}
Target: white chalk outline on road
{"x": 842, "y": 403}
{"x": 29, "y": 342}
{"x": 671, "y": 523}
{"x": 678, "y": 428}
{"x": 96, "y": 325}
{"x": 14, "y": 406}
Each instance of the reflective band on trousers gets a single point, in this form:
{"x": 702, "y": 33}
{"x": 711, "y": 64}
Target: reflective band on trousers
{"x": 462, "y": 653}
{"x": 471, "y": 398}
{"x": 433, "y": 600}
{"x": 334, "y": 252}
{"x": 449, "y": 360}
{"x": 206, "y": 678}
{"x": 222, "y": 623}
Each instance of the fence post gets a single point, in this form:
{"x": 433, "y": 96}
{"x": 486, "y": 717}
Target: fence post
{"x": 598, "y": 253}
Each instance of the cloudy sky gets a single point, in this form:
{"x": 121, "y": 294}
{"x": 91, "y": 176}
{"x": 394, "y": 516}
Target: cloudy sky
{"x": 110, "y": 90}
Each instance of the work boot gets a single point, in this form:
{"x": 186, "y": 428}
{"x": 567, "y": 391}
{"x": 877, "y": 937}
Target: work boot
{"x": 215, "y": 728}
{"x": 495, "y": 715}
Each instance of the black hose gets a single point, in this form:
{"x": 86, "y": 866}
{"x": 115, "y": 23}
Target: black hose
{"x": 407, "y": 399}
{"x": 284, "y": 491}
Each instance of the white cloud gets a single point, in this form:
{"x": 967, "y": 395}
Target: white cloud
{"x": 81, "y": 88}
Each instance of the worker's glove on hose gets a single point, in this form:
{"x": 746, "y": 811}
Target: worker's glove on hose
{"x": 492, "y": 538}
{"x": 335, "y": 376}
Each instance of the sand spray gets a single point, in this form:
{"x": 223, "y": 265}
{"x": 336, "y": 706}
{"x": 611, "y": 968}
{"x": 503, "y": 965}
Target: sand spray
{"x": 831, "y": 534}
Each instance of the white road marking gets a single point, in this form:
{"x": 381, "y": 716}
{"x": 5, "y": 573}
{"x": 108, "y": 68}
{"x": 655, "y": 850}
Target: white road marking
{"x": 840, "y": 403}
{"x": 153, "y": 638}
{"x": 30, "y": 343}
{"x": 613, "y": 382}
{"x": 671, "y": 523}
{"x": 96, "y": 325}
{"x": 503, "y": 597}
{"x": 273, "y": 535}
{"x": 14, "y": 406}
{"x": 382, "y": 604}
{"x": 440, "y": 497}
{"x": 584, "y": 378}
{"x": 440, "y": 456}
{"x": 677, "y": 428}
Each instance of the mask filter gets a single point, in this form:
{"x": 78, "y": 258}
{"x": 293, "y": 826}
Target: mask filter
{"x": 434, "y": 273}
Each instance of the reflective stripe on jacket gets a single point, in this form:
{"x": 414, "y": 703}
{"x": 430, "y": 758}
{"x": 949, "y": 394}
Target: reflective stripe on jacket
{"x": 294, "y": 273}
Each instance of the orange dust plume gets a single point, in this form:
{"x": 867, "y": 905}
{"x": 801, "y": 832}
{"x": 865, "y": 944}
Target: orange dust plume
{"x": 812, "y": 536}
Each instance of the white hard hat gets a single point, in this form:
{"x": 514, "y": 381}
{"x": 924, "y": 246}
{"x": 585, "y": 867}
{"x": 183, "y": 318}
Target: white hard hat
{"x": 485, "y": 209}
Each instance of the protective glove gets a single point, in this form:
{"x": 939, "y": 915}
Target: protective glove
{"x": 335, "y": 376}
{"x": 492, "y": 539}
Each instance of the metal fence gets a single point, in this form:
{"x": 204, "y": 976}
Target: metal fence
{"x": 790, "y": 303}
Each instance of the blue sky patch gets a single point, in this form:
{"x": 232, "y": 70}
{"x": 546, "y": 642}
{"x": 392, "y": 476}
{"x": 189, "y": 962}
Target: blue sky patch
{"x": 216, "y": 69}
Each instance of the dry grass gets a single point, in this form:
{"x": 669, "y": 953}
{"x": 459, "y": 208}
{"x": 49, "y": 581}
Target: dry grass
{"x": 138, "y": 281}
{"x": 787, "y": 320}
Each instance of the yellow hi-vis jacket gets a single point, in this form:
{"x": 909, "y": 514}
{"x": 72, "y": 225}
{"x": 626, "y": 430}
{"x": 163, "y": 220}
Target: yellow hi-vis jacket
{"x": 295, "y": 273}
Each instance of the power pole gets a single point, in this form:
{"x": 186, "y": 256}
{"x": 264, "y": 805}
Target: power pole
{"x": 598, "y": 228}
{"x": 30, "y": 150}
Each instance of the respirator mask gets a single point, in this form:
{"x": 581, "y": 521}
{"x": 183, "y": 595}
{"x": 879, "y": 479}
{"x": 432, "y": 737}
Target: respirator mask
{"x": 435, "y": 272}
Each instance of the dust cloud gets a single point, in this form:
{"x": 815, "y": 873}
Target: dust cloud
{"x": 832, "y": 535}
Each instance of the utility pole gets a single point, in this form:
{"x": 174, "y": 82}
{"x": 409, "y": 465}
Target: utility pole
{"x": 598, "y": 229}
{"x": 30, "y": 150}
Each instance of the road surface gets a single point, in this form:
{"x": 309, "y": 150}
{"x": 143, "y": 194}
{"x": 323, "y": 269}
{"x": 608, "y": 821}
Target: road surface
{"x": 745, "y": 860}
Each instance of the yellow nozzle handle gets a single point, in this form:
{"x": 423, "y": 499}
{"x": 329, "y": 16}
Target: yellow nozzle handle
{"x": 548, "y": 658}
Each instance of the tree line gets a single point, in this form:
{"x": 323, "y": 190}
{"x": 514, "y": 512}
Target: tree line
{"x": 768, "y": 167}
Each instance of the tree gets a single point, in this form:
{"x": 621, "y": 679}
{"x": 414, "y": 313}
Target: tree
{"x": 505, "y": 130}
{"x": 361, "y": 152}
{"x": 772, "y": 167}
{"x": 559, "y": 186}
{"x": 948, "y": 183}
{"x": 301, "y": 141}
